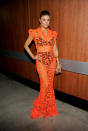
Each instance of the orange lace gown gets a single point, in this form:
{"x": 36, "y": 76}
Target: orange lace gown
{"x": 44, "y": 105}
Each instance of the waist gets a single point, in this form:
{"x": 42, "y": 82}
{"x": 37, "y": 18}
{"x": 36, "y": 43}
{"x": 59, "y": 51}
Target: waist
{"x": 45, "y": 49}
{"x": 46, "y": 54}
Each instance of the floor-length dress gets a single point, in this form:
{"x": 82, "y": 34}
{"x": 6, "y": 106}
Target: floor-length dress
{"x": 44, "y": 105}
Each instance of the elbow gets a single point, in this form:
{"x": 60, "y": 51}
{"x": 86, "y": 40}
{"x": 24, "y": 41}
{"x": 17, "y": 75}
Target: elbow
{"x": 25, "y": 46}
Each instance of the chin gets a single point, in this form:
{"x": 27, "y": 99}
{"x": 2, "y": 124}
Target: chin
{"x": 45, "y": 26}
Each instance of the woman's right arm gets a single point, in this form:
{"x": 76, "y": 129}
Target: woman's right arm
{"x": 27, "y": 43}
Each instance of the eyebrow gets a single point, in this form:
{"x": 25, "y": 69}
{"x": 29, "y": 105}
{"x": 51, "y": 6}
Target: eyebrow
{"x": 47, "y": 19}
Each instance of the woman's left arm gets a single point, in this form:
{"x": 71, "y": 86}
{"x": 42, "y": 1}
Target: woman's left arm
{"x": 56, "y": 52}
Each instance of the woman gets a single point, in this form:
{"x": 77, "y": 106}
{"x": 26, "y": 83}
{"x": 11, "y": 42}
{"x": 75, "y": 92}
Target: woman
{"x": 47, "y": 64}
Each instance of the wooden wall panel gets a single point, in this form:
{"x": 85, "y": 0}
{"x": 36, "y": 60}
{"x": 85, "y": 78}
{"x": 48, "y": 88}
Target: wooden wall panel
{"x": 21, "y": 68}
{"x": 73, "y": 28}
{"x": 14, "y": 23}
{"x": 68, "y": 17}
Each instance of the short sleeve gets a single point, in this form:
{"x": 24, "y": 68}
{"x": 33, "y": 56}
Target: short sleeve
{"x": 31, "y": 32}
{"x": 55, "y": 34}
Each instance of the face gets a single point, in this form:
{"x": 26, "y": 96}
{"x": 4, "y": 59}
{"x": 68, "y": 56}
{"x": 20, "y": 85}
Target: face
{"x": 45, "y": 21}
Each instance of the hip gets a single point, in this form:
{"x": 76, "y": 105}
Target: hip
{"x": 46, "y": 58}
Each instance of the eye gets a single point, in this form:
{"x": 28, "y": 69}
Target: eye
{"x": 44, "y": 20}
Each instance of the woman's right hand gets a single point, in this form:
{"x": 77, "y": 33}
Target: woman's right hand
{"x": 37, "y": 57}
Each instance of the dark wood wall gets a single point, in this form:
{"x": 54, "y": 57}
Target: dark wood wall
{"x": 68, "y": 17}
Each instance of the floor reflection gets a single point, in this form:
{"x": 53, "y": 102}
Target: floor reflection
{"x": 47, "y": 124}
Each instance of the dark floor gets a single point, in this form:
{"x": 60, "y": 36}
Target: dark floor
{"x": 16, "y": 99}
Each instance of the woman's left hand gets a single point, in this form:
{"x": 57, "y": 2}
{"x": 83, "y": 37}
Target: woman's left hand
{"x": 58, "y": 67}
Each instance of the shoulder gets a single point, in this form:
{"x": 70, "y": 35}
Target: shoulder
{"x": 31, "y": 32}
{"x": 53, "y": 31}
{"x": 55, "y": 34}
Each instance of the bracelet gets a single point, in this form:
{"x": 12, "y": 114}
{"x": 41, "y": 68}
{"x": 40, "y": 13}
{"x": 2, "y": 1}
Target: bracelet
{"x": 57, "y": 58}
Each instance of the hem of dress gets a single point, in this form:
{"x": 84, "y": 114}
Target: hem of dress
{"x": 40, "y": 114}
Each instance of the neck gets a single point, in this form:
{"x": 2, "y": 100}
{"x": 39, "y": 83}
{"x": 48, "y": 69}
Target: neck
{"x": 44, "y": 28}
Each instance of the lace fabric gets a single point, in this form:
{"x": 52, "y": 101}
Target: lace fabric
{"x": 44, "y": 105}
